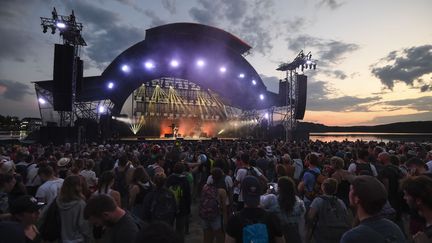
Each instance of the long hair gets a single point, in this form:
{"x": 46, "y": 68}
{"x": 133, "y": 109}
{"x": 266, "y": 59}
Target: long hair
{"x": 71, "y": 189}
{"x": 105, "y": 180}
{"x": 140, "y": 175}
{"x": 287, "y": 193}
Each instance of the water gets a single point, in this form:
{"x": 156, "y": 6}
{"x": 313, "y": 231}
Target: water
{"x": 369, "y": 136}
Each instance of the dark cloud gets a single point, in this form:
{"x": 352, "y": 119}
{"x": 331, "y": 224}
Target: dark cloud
{"x": 105, "y": 36}
{"x": 250, "y": 20}
{"x": 155, "y": 20}
{"x": 408, "y": 65}
{"x": 169, "y": 5}
{"x": 13, "y": 90}
{"x": 333, "y": 4}
{"x": 295, "y": 25}
{"x": 423, "y": 116}
{"x": 338, "y": 74}
{"x": 420, "y": 104}
{"x": 327, "y": 50}
{"x": 426, "y": 88}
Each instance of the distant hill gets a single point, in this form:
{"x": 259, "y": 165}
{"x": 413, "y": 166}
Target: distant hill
{"x": 399, "y": 127}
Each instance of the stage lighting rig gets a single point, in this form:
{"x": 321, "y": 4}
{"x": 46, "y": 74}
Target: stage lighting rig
{"x": 67, "y": 26}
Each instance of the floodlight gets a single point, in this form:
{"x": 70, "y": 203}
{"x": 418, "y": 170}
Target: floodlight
{"x": 222, "y": 69}
{"x": 261, "y": 96}
{"x": 110, "y": 85}
{"x": 149, "y": 65}
{"x": 61, "y": 25}
{"x": 101, "y": 109}
{"x": 266, "y": 115}
{"x": 174, "y": 63}
{"x": 241, "y": 75}
{"x": 200, "y": 63}
{"x": 41, "y": 101}
{"x": 254, "y": 82}
{"x": 125, "y": 68}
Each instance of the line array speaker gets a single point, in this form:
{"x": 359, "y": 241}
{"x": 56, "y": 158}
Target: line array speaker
{"x": 63, "y": 71}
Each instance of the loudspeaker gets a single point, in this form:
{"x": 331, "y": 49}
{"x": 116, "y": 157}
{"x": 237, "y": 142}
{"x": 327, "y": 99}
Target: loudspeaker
{"x": 79, "y": 78}
{"x": 300, "y": 102}
{"x": 63, "y": 72}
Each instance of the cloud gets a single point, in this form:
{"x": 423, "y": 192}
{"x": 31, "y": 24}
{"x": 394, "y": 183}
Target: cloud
{"x": 251, "y": 20}
{"x": 271, "y": 82}
{"x": 318, "y": 99}
{"x": 327, "y": 50}
{"x": 424, "y": 116}
{"x": 420, "y": 104}
{"x": 338, "y": 74}
{"x": 426, "y": 87}
{"x": 169, "y": 5}
{"x": 105, "y": 36}
{"x": 155, "y": 20}
{"x": 333, "y": 4}
{"x": 13, "y": 90}
{"x": 407, "y": 65}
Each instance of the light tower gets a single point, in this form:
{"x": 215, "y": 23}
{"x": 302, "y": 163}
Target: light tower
{"x": 301, "y": 62}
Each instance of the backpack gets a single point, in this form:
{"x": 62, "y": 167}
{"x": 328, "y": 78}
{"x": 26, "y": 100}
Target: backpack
{"x": 333, "y": 220}
{"x": 50, "y": 229}
{"x": 163, "y": 206}
{"x": 254, "y": 231}
{"x": 252, "y": 171}
{"x": 316, "y": 191}
{"x": 363, "y": 169}
{"x": 177, "y": 190}
{"x": 209, "y": 207}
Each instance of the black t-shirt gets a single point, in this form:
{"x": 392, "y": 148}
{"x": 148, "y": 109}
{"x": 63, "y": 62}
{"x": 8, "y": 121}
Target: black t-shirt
{"x": 238, "y": 221}
{"x": 393, "y": 175}
{"x": 125, "y": 230}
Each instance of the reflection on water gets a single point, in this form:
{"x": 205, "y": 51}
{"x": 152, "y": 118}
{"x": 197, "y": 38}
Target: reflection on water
{"x": 381, "y": 137}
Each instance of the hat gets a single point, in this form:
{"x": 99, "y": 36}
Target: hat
{"x": 412, "y": 153}
{"x": 251, "y": 191}
{"x": 269, "y": 151}
{"x": 63, "y": 162}
{"x": 369, "y": 189}
{"x": 269, "y": 202}
{"x": 25, "y": 203}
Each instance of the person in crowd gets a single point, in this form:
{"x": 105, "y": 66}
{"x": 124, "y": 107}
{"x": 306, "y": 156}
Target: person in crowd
{"x": 328, "y": 216}
{"x": 179, "y": 185}
{"x": 63, "y": 167}
{"x": 138, "y": 189}
{"x": 368, "y": 196}
{"x": 417, "y": 191}
{"x": 105, "y": 184}
{"x": 362, "y": 166}
{"x": 89, "y": 174}
{"x": 428, "y": 160}
{"x": 33, "y": 180}
{"x": 102, "y": 210}
{"x": 160, "y": 204}
{"x": 50, "y": 188}
{"x": 252, "y": 222}
{"x": 307, "y": 184}
{"x": 417, "y": 167}
{"x": 123, "y": 176}
{"x": 71, "y": 206}
{"x": 292, "y": 211}
{"x": 213, "y": 208}
{"x": 343, "y": 178}
{"x": 7, "y": 183}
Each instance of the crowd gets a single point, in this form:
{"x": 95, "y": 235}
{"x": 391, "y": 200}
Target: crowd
{"x": 244, "y": 191}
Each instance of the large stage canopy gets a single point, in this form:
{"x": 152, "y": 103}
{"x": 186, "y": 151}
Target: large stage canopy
{"x": 209, "y": 57}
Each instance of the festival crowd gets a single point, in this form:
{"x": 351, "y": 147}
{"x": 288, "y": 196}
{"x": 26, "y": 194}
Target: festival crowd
{"x": 241, "y": 191}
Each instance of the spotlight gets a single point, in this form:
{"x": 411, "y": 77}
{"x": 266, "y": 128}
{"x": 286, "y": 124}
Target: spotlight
{"x": 149, "y": 65}
{"x": 110, "y": 85}
{"x": 266, "y": 116}
{"x": 125, "y": 68}
{"x": 61, "y": 25}
{"x": 261, "y": 96}
{"x": 174, "y": 63}
{"x": 101, "y": 109}
{"x": 254, "y": 82}
{"x": 222, "y": 69}
{"x": 241, "y": 75}
{"x": 200, "y": 63}
{"x": 41, "y": 101}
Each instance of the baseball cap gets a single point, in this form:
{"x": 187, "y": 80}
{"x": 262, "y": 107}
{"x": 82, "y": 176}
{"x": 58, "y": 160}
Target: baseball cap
{"x": 368, "y": 189}
{"x": 251, "y": 191}
{"x": 25, "y": 203}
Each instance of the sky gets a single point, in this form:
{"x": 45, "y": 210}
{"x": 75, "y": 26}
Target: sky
{"x": 374, "y": 57}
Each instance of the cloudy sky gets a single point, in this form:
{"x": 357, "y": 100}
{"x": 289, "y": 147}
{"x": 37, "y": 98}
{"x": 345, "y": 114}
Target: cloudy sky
{"x": 374, "y": 56}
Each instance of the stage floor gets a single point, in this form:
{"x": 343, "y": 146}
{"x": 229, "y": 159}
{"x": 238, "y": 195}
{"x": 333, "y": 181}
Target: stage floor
{"x": 156, "y": 139}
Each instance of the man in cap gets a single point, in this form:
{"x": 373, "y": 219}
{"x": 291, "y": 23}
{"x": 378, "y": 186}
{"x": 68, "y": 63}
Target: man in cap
{"x": 368, "y": 196}
{"x": 253, "y": 221}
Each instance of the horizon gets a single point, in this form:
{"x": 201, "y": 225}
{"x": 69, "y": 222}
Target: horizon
{"x": 369, "y": 72}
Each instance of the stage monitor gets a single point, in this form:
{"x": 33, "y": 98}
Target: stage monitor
{"x": 63, "y": 72}
{"x": 300, "y": 102}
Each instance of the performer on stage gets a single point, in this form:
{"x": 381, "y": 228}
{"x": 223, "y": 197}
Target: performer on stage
{"x": 175, "y": 131}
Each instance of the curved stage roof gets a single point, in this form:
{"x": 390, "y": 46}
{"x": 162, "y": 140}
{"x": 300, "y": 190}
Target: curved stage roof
{"x": 187, "y": 43}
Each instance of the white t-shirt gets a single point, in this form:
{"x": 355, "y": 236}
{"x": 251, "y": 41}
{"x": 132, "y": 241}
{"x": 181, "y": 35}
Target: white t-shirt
{"x": 49, "y": 190}
{"x": 33, "y": 178}
{"x": 241, "y": 174}
{"x": 353, "y": 167}
{"x": 90, "y": 177}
